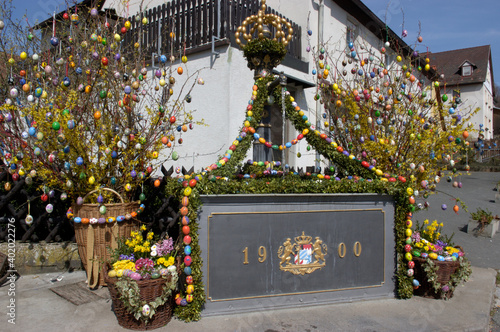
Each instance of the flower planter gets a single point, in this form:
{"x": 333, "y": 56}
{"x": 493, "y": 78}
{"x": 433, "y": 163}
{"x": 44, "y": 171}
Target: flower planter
{"x": 444, "y": 272}
{"x": 488, "y": 231}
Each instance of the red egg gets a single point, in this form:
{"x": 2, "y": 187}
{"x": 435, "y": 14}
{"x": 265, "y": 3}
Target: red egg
{"x": 104, "y": 61}
{"x": 185, "y": 230}
{"x": 192, "y": 183}
{"x": 188, "y": 260}
{"x": 172, "y": 119}
{"x": 187, "y": 239}
{"x": 123, "y": 30}
{"x": 408, "y": 247}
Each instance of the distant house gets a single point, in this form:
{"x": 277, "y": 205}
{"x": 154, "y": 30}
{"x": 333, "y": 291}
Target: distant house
{"x": 467, "y": 76}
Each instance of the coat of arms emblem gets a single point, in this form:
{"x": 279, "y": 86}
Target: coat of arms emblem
{"x": 303, "y": 256}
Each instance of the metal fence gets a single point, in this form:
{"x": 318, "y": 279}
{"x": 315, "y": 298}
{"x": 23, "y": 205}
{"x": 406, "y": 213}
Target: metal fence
{"x": 195, "y": 25}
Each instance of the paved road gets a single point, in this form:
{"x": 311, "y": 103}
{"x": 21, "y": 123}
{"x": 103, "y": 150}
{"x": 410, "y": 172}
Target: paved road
{"x": 478, "y": 190}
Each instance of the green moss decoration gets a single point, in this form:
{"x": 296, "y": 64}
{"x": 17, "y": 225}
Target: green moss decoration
{"x": 262, "y": 47}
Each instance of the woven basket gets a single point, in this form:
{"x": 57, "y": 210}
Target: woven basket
{"x": 444, "y": 272}
{"x": 150, "y": 290}
{"x": 95, "y": 241}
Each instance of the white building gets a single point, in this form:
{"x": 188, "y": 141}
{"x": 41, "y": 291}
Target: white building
{"x": 467, "y": 74}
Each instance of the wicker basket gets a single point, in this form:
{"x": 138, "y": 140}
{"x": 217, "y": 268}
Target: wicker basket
{"x": 95, "y": 240}
{"x": 150, "y": 290}
{"x": 444, "y": 272}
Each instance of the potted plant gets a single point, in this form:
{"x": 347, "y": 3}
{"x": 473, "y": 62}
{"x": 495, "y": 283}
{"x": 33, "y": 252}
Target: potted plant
{"x": 142, "y": 276}
{"x": 483, "y": 223}
{"x": 438, "y": 266}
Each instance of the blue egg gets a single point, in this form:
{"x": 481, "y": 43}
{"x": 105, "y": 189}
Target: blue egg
{"x": 22, "y": 81}
{"x": 372, "y": 75}
{"x": 32, "y": 131}
{"x": 379, "y": 121}
{"x": 114, "y": 154}
{"x": 353, "y": 54}
{"x": 372, "y": 137}
{"x": 79, "y": 161}
{"x": 71, "y": 124}
{"x": 179, "y": 128}
{"x": 256, "y": 136}
{"x": 416, "y": 283}
{"x": 113, "y": 180}
{"x": 440, "y": 258}
{"x": 24, "y": 135}
{"x": 67, "y": 165}
{"x": 77, "y": 220}
{"x": 360, "y": 72}
{"x": 38, "y": 92}
{"x": 451, "y": 110}
{"x": 314, "y": 71}
{"x": 38, "y": 151}
{"x": 187, "y": 250}
{"x": 13, "y": 166}
{"x": 288, "y": 145}
{"x": 187, "y": 270}
{"x": 66, "y": 149}
{"x": 163, "y": 58}
{"x": 78, "y": 70}
{"x": 351, "y": 45}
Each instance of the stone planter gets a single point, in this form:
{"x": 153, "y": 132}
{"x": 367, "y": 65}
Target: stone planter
{"x": 489, "y": 231}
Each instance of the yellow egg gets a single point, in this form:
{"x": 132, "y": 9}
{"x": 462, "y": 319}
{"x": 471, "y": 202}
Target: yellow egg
{"x": 408, "y": 256}
{"x": 408, "y": 232}
{"x": 433, "y": 255}
{"x": 119, "y": 273}
{"x": 23, "y": 55}
{"x": 91, "y": 180}
{"x": 409, "y": 191}
{"x": 112, "y": 274}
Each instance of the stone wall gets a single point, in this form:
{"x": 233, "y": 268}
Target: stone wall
{"x": 32, "y": 258}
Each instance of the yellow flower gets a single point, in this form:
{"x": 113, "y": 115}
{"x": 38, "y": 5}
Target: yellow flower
{"x": 170, "y": 261}
{"x": 419, "y": 245}
{"x": 441, "y": 224}
{"x": 426, "y": 248}
{"x": 143, "y": 227}
{"x": 426, "y": 221}
{"x": 150, "y": 236}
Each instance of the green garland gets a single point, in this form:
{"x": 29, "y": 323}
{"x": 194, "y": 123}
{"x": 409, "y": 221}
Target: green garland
{"x": 130, "y": 295}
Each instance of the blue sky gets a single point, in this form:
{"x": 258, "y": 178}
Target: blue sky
{"x": 445, "y": 24}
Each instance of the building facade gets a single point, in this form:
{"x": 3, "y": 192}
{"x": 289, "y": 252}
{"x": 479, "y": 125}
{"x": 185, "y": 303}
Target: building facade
{"x": 466, "y": 76}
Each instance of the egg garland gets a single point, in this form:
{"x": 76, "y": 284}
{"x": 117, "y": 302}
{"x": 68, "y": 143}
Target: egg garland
{"x": 110, "y": 219}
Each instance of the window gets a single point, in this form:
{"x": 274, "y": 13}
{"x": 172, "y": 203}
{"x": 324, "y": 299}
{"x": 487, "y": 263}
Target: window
{"x": 466, "y": 69}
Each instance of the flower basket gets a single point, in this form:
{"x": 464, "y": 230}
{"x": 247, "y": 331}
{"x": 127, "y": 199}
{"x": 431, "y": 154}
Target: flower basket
{"x": 444, "y": 272}
{"x": 95, "y": 239}
{"x": 150, "y": 290}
